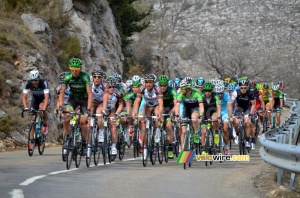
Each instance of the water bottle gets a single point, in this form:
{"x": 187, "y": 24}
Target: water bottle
{"x": 78, "y": 135}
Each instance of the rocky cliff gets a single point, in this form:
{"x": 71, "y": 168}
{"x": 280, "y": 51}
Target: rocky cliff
{"x": 31, "y": 40}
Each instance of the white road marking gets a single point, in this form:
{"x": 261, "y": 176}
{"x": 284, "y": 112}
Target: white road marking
{"x": 31, "y": 180}
{"x": 17, "y": 193}
{"x": 63, "y": 171}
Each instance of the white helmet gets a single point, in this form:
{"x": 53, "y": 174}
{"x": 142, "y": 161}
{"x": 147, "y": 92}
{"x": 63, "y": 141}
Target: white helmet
{"x": 142, "y": 80}
{"x": 183, "y": 83}
{"x": 129, "y": 83}
{"x": 219, "y": 88}
{"x": 117, "y": 76}
{"x": 136, "y": 78}
{"x": 275, "y": 87}
{"x": 34, "y": 74}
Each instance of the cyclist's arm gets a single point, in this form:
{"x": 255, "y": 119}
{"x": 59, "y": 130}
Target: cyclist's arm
{"x": 136, "y": 103}
{"x": 46, "y": 96}
{"x": 253, "y": 104}
{"x": 90, "y": 97}
{"x": 24, "y": 100}
{"x": 160, "y": 104}
{"x": 61, "y": 96}
{"x": 262, "y": 102}
{"x": 105, "y": 99}
{"x": 176, "y": 107}
{"x": 120, "y": 107}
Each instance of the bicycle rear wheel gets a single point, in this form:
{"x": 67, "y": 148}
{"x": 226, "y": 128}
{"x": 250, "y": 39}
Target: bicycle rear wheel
{"x": 30, "y": 150}
{"x": 97, "y": 152}
{"x": 154, "y": 150}
{"x": 121, "y": 146}
{"x": 160, "y": 149}
{"x": 241, "y": 141}
{"x": 77, "y": 155}
{"x": 165, "y": 148}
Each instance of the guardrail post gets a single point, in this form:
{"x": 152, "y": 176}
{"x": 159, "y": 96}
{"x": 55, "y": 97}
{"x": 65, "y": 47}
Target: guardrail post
{"x": 292, "y": 181}
{"x": 279, "y": 175}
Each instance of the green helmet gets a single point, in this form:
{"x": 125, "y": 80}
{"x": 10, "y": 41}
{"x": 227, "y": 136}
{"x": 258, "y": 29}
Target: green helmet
{"x": 163, "y": 80}
{"x": 208, "y": 86}
{"x": 75, "y": 62}
{"x": 136, "y": 83}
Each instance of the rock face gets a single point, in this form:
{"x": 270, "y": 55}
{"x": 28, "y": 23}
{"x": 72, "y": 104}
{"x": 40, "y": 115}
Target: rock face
{"x": 93, "y": 25}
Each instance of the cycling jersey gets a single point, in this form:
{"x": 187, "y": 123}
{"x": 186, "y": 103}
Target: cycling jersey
{"x": 225, "y": 100}
{"x": 77, "y": 84}
{"x": 210, "y": 105}
{"x": 190, "y": 103}
{"x": 113, "y": 99}
{"x": 151, "y": 97}
{"x": 243, "y": 100}
{"x": 66, "y": 94}
{"x": 277, "y": 96}
{"x": 267, "y": 97}
{"x": 169, "y": 97}
{"x": 98, "y": 91}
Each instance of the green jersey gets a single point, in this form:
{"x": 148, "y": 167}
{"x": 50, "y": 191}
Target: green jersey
{"x": 77, "y": 85}
{"x": 194, "y": 98}
{"x": 169, "y": 96}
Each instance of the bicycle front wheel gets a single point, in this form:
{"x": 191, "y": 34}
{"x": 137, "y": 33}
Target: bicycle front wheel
{"x": 42, "y": 144}
{"x": 30, "y": 143}
{"x": 145, "y": 150}
{"x": 69, "y": 155}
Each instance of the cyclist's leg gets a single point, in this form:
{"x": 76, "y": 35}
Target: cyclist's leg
{"x": 225, "y": 128}
{"x": 100, "y": 123}
{"x": 113, "y": 129}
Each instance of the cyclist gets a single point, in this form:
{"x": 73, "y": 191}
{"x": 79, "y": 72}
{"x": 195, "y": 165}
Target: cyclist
{"x": 193, "y": 108}
{"x": 153, "y": 104}
{"x": 112, "y": 105}
{"x": 212, "y": 110}
{"x": 58, "y": 91}
{"x": 98, "y": 88}
{"x": 41, "y": 98}
{"x": 169, "y": 98}
{"x": 245, "y": 103}
{"x": 176, "y": 84}
{"x": 277, "y": 102}
{"x": 226, "y": 113}
{"x": 80, "y": 95}
{"x": 267, "y": 98}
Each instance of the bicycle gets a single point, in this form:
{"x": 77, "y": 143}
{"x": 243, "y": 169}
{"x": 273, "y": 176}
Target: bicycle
{"x": 242, "y": 135}
{"x": 135, "y": 139}
{"x": 94, "y": 147}
{"x": 163, "y": 145}
{"x": 73, "y": 140}
{"x": 121, "y": 143}
{"x": 211, "y": 146}
{"x": 149, "y": 138}
{"x": 107, "y": 144}
{"x": 176, "y": 142}
{"x": 188, "y": 144}
{"x": 39, "y": 138}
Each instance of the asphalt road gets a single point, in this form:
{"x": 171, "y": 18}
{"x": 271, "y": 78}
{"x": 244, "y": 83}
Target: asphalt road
{"x": 46, "y": 176}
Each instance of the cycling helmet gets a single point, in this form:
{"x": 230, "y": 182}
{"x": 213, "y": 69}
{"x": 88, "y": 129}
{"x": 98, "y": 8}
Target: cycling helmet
{"x": 149, "y": 77}
{"x": 183, "y": 83}
{"x": 252, "y": 83}
{"x": 226, "y": 84}
{"x": 208, "y": 86}
{"x": 243, "y": 83}
{"x": 136, "y": 83}
{"x": 34, "y": 74}
{"x": 117, "y": 76}
{"x": 163, "y": 80}
{"x": 129, "y": 83}
{"x": 231, "y": 87}
{"x": 75, "y": 62}
{"x": 142, "y": 80}
{"x": 118, "y": 81}
{"x": 266, "y": 86}
{"x": 62, "y": 76}
{"x": 109, "y": 78}
{"x": 136, "y": 78}
{"x": 259, "y": 86}
{"x": 275, "y": 87}
{"x": 97, "y": 72}
{"x": 177, "y": 81}
{"x": 219, "y": 88}
{"x": 170, "y": 83}
{"x": 111, "y": 81}
{"x": 214, "y": 81}
{"x": 200, "y": 81}
{"x": 227, "y": 80}
{"x": 154, "y": 77}
{"x": 189, "y": 80}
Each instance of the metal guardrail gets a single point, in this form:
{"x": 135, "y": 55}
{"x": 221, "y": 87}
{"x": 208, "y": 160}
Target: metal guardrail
{"x": 279, "y": 145}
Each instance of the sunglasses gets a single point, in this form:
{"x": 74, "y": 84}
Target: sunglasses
{"x": 148, "y": 81}
{"x": 163, "y": 85}
{"x": 34, "y": 80}
{"x": 243, "y": 88}
{"x": 112, "y": 87}
{"x": 208, "y": 90}
{"x": 75, "y": 69}
{"x": 97, "y": 77}
{"x": 200, "y": 87}
{"x": 183, "y": 88}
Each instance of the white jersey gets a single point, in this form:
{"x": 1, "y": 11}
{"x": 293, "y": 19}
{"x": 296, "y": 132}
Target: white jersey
{"x": 98, "y": 92}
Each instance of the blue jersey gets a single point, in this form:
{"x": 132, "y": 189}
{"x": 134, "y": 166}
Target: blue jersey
{"x": 225, "y": 101}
